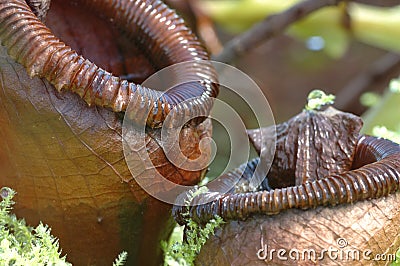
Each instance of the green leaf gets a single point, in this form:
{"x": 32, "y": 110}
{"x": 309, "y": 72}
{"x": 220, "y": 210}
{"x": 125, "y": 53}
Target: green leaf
{"x": 384, "y": 113}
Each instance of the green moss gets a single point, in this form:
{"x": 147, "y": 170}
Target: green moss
{"x": 21, "y": 244}
{"x": 317, "y": 99}
{"x": 180, "y": 252}
{"x": 121, "y": 259}
{"x": 397, "y": 260}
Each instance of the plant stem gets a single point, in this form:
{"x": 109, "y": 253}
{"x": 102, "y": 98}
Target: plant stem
{"x": 269, "y": 28}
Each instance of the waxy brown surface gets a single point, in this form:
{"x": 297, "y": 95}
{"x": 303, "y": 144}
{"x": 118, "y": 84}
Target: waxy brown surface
{"x": 368, "y": 225}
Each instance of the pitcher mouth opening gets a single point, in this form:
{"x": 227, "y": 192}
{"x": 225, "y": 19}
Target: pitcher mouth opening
{"x": 98, "y": 40}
